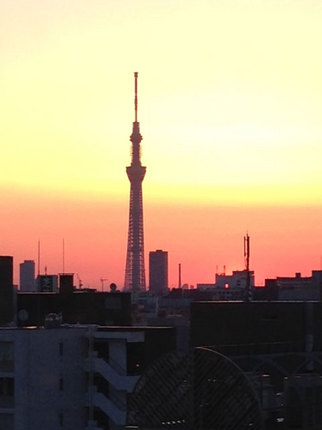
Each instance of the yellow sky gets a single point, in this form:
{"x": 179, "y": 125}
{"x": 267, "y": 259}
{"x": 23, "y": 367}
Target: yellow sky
{"x": 230, "y": 99}
{"x": 230, "y": 93}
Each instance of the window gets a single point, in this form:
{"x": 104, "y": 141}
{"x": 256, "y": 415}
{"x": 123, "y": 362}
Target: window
{"x": 6, "y": 356}
{"x": 6, "y": 422}
{"x": 6, "y": 387}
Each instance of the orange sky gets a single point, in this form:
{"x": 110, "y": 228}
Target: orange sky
{"x": 284, "y": 239}
{"x": 230, "y": 103}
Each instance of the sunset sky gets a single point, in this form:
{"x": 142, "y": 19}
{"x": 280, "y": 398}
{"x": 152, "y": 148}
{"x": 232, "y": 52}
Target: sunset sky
{"x": 230, "y": 109}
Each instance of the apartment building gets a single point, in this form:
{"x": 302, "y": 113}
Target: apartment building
{"x": 73, "y": 376}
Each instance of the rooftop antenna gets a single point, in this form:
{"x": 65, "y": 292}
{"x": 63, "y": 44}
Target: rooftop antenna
{"x": 246, "y": 259}
{"x": 38, "y": 257}
{"x": 63, "y": 255}
{"x": 246, "y": 251}
{"x": 179, "y": 283}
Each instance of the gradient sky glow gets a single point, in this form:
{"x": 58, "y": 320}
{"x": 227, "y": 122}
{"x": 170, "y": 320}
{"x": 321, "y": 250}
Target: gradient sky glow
{"x": 230, "y": 106}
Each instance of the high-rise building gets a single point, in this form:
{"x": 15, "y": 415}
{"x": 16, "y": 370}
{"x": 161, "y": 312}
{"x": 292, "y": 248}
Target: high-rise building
{"x": 158, "y": 272}
{"x": 6, "y": 289}
{"x": 6, "y": 271}
{"x": 135, "y": 270}
{"x": 27, "y": 276}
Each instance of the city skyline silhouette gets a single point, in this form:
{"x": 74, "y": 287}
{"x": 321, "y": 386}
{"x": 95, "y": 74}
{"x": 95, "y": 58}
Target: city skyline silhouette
{"x": 232, "y": 135}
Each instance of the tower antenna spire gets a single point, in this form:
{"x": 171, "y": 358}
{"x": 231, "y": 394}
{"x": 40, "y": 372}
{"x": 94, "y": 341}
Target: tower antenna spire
{"x": 136, "y": 95}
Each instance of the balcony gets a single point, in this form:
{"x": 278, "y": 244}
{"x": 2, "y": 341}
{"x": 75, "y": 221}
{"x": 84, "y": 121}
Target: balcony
{"x": 120, "y": 382}
{"x": 115, "y": 413}
{"x": 92, "y": 425}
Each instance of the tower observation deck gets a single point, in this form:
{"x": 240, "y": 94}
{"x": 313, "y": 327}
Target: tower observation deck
{"x": 135, "y": 270}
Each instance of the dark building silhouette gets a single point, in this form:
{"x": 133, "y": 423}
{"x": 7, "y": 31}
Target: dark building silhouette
{"x": 27, "y": 276}
{"x": 71, "y": 305}
{"x": 66, "y": 283}
{"x": 233, "y": 326}
{"x": 6, "y": 289}
{"x": 80, "y": 306}
{"x": 292, "y": 288}
{"x": 158, "y": 272}
{"x": 135, "y": 270}
{"x": 6, "y": 271}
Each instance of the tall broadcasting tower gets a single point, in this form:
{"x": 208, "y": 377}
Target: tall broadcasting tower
{"x": 135, "y": 271}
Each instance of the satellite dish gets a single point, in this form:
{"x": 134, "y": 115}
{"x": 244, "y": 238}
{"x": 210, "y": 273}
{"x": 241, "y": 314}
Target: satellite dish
{"x": 23, "y": 315}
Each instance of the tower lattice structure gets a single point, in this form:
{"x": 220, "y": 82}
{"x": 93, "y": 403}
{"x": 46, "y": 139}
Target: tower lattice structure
{"x": 135, "y": 270}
